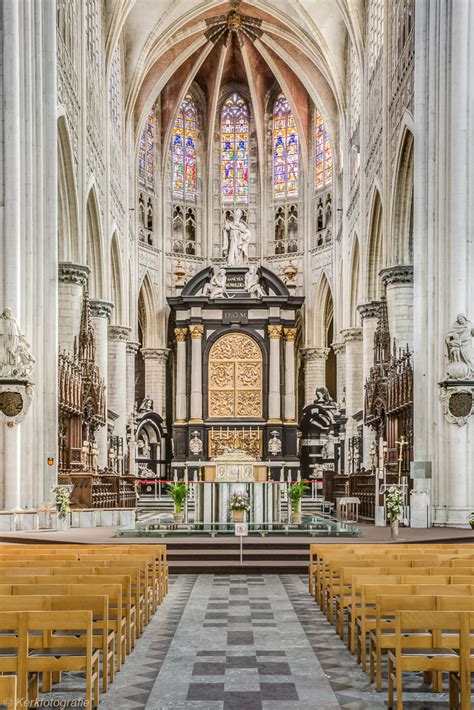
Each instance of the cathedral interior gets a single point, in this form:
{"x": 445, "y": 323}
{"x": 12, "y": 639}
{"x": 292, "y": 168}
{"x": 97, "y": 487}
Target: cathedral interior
{"x": 236, "y": 284}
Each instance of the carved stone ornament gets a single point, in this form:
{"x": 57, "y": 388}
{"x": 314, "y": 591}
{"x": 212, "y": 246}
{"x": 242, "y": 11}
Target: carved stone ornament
{"x": 181, "y": 334}
{"x": 197, "y": 331}
{"x": 15, "y": 400}
{"x": 252, "y": 283}
{"x": 369, "y": 310}
{"x": 101, "y": 309}
{"x": 217, "y": 286}
{"x": 457, "y": 403}
{"x": 274, "y": 332}
{"x": 196, "y": 445}
{"x": 73, "y": 273}
{"x": 290, "y": 334}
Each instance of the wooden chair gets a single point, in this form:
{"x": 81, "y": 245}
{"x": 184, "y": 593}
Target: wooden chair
{"x": 8, "y": 692}
{"x": 446, "y": 648}
{"x": 44, "y": 650}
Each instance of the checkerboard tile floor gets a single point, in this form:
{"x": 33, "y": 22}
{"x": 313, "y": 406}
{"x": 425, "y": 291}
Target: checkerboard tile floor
{"x": 244, "y": 643}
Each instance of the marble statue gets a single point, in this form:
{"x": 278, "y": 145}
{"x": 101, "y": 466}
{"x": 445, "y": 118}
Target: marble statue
{"x": 217, "y": 286}
{"x": 321, "y": 414}
{"x": 196, "y": 445}
{"x": 16, "y": 360}
{"x": 459, "y": 349}
{"x": 252, "y": 283}
{"x": 236, "y": 240}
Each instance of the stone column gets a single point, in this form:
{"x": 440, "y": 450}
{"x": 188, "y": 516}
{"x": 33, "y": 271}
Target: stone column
{"x": 340, "y": 353}
{"x": 197, "y": 332}
{"x": 398, "y": 282}
{"x": 100, "y": 314}
{"x": 354, "y": 377}
{"x": 155, "y": 377}
{"x": 290, "y": 392}
{"x": 72, "y": 279}
{"x": 274, "y": 404}
{"x": 314, "y": 371}
{"x": 443, "y": 246}
{"x": 369, "y": 316}
{"x": 181, "y": 336}
{"x": 117, "y": 377}
{"x": 132, "y": 349}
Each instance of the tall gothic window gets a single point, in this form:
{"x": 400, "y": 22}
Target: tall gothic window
{"x": 235, "y": 150}
{"x": 146, "y": 152}
{"x": 184, "y": 151}
{"x": 323, "y": 157}
{"x": 285, "y": 151}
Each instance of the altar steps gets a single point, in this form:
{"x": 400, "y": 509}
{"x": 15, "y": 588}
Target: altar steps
{"x": 218, "y": 556}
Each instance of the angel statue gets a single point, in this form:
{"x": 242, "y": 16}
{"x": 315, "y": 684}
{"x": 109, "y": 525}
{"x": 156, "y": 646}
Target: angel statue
{"x": 16, "y": 360}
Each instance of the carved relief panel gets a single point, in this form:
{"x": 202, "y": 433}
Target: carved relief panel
{"x": 235, "y": 377}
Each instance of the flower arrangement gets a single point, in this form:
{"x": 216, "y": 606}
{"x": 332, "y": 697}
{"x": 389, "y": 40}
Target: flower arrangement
{"x": 394, "y": 501}
{"x": 295, "y": 494}
{"x": 239, "y": 501}
{"x": 178, "y": 492}
{"x": 62, "y": 496}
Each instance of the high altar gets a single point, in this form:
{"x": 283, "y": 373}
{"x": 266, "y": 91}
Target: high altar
{"x": 235, "y": 329}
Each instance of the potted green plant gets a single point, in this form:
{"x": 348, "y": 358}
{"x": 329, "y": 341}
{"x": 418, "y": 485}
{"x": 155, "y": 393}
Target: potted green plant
{"x": 394, "y": 503}
{"x": 178, "y": 492}
{"x": 471, "y": 521}
{"x": 62, "y": 495}
{"x": 239, "y": 503}
{"x": 295, "y": 494}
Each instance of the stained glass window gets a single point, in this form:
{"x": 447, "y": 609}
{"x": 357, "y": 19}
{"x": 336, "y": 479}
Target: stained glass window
{"x": 146, "y": 154}
{"x": 323, "y": 156}
{"x": 184, "y": 151}
{"x": 235, "y": 150}
{"x": 285, "y": 151}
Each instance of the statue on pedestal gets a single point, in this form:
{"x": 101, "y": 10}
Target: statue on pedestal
{"x": 459, "y": 351}
{"x": 16, "y": 360}
{"x": 236, "y": 240}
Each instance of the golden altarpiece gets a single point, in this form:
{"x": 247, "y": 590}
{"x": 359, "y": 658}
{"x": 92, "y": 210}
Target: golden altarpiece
{"x": 233, "y": 333}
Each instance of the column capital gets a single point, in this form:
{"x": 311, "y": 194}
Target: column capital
{"x": 160, "y": 354}
{"x": 368, "y": 310}
{"x": 197, "y": 331}
{"x": 181, "y": 334}
{"x": 290, "y": 334}
{"x": 132, "y": 347}
{"x": 274, "y": 331}
{"x": 400, "y": 274}
{"x": 312, "y": 354}
{"x": 70, "y": 273}
{"x": 119, "y": 333}
{"x": 101, "y": 309}
{"x": 338, "y": 348}
{"x": 351, "y": 334}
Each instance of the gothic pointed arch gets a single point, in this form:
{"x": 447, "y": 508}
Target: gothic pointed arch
{"x": 355, "y": 282}
{"x": 375, "y": 259}
{"x": 324, "y": 311}
{"x": 148, "y": 313}
{"x": 94, "y": 247}
{"x": 402, "y": 207}
{"x": 117, "y": 282}
{"x": 68, "y": 225}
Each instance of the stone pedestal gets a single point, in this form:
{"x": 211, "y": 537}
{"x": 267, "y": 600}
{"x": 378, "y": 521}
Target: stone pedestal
{"x": 354, "y": 377}
{"x": 117, "y": 380}
{"x": 72, "y": 279}
{"x": 398, "y": 281}
{"x": 155, "y": 377}
{"x": 100, "y": 314}
{"x": 274, "y": 397}
{"x": 314, "y": 371}
{"x": 369, "y": 316}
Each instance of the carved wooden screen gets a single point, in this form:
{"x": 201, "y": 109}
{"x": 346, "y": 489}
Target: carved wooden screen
{"x": 235, "y": 377}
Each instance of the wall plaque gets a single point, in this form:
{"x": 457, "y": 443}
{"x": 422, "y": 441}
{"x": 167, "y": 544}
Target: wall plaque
{"x": 235, "y": 316}
{"x": 235, "y": 281}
